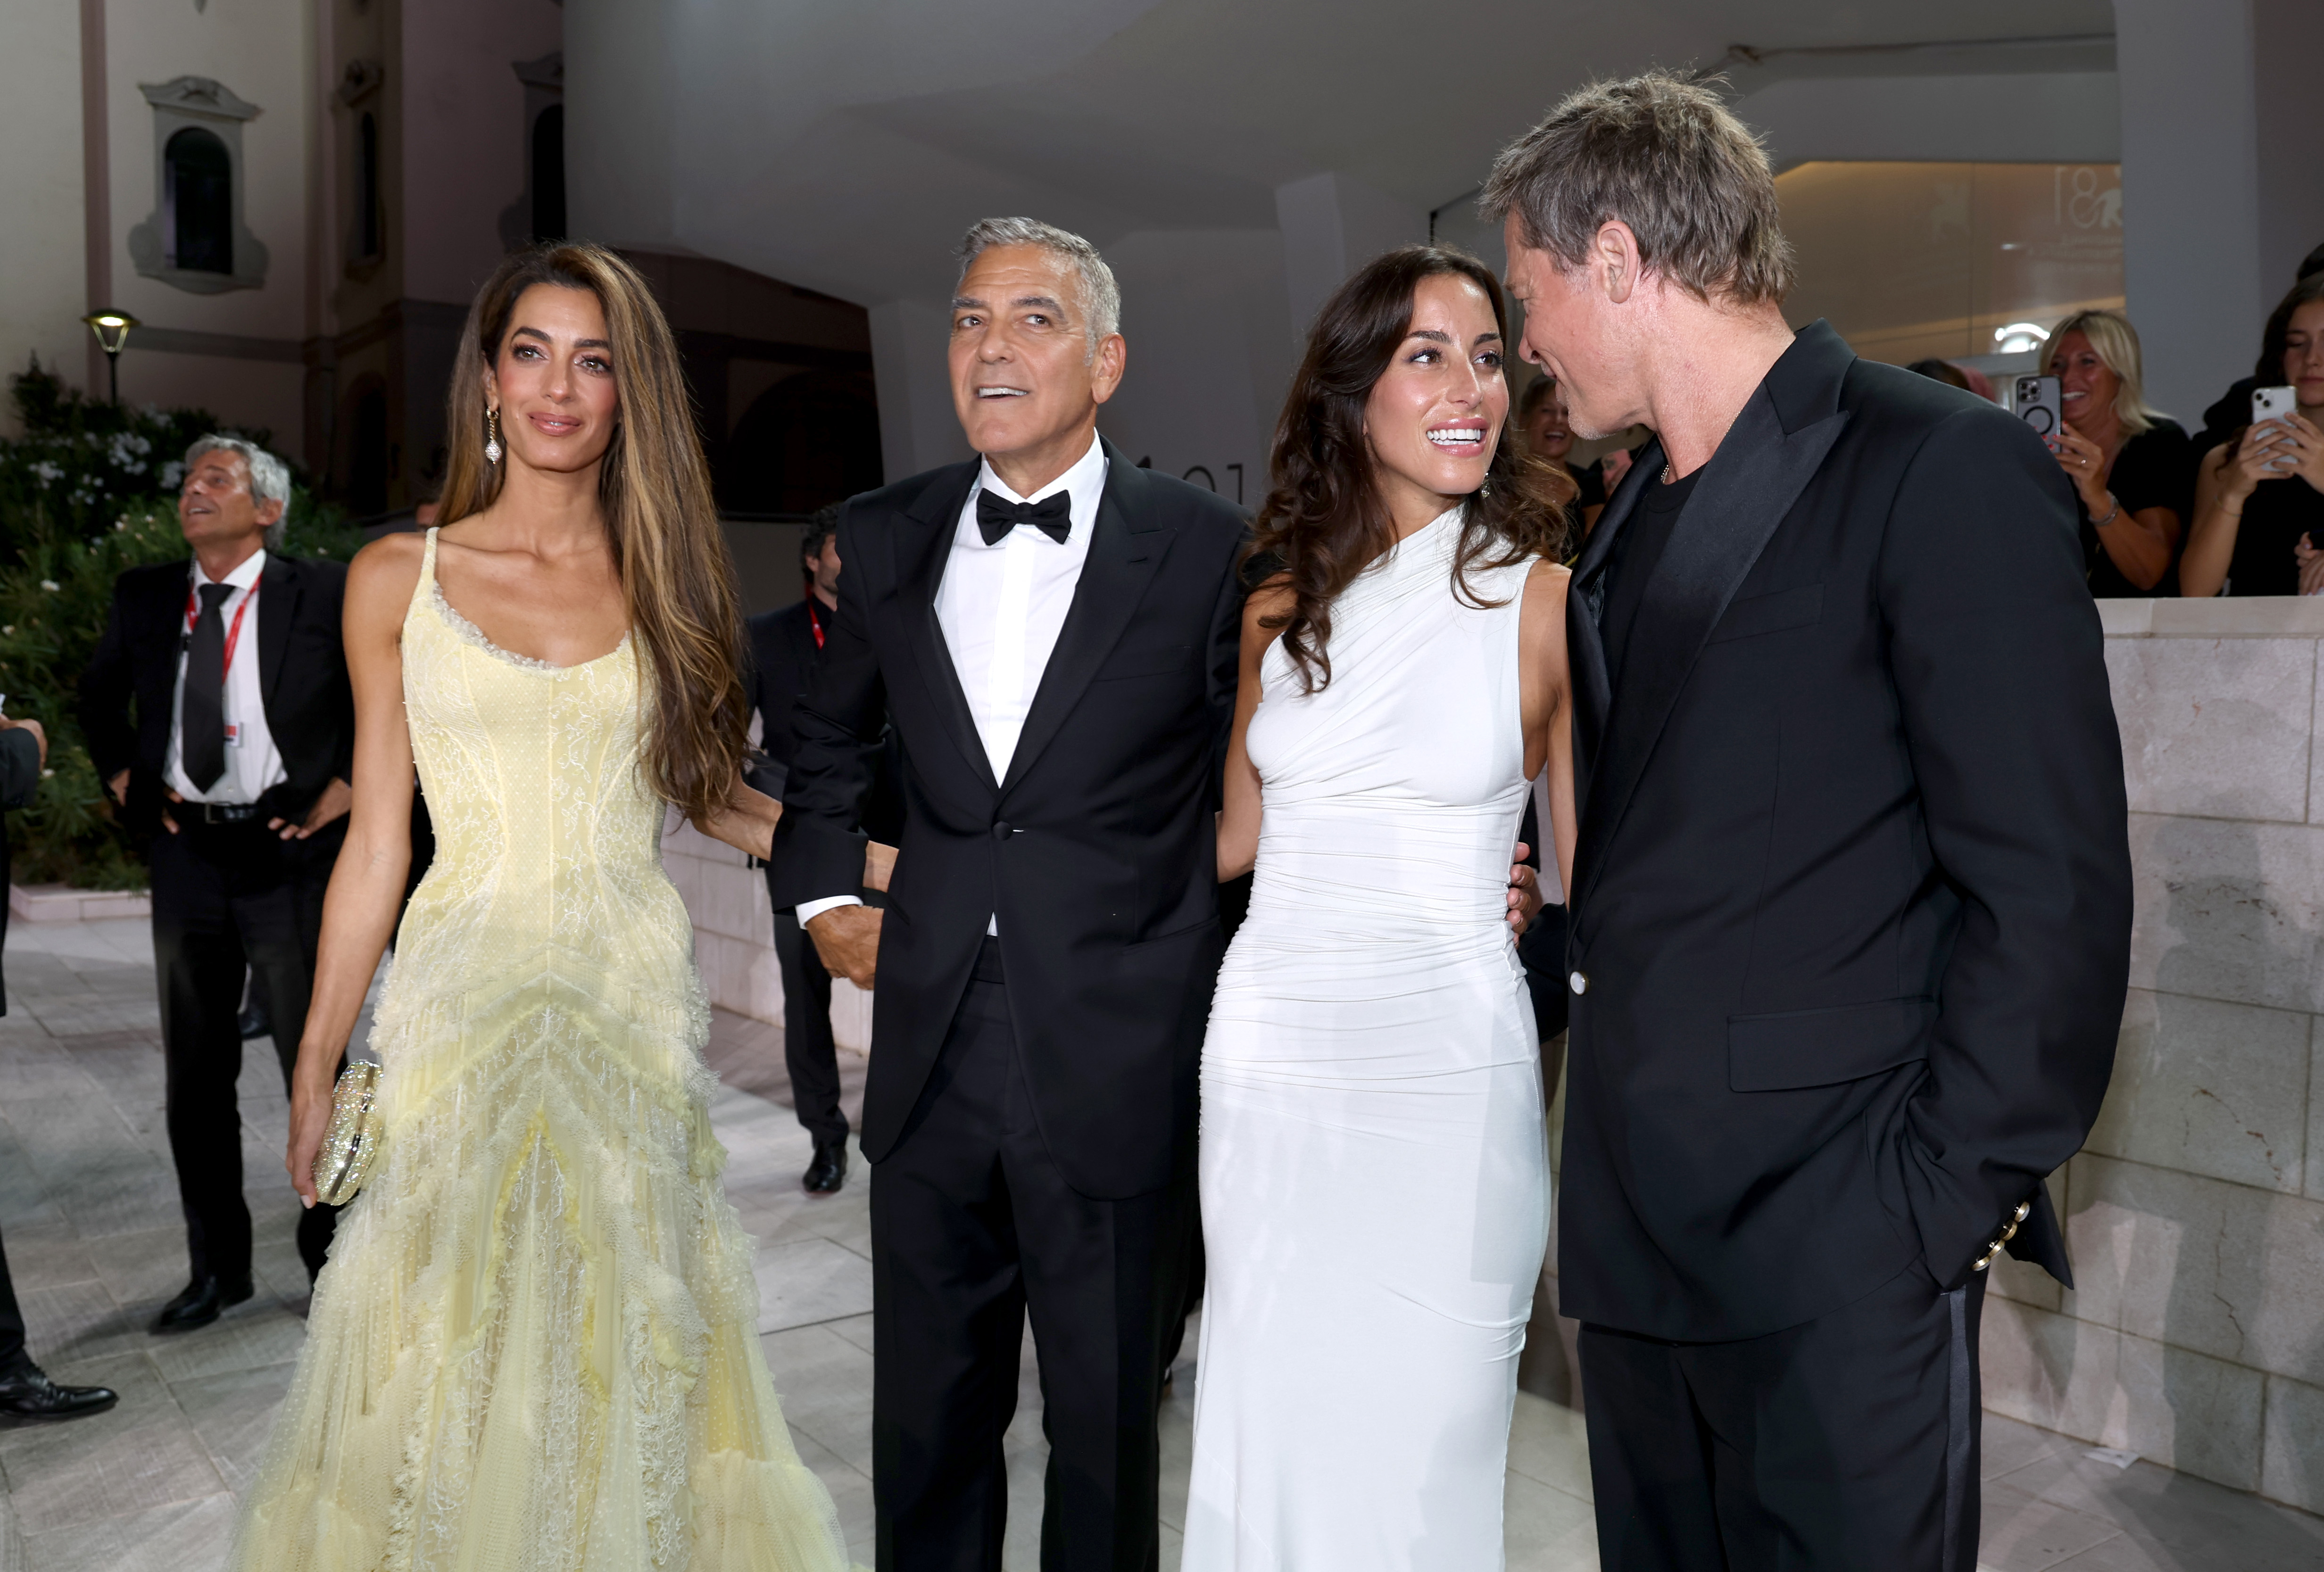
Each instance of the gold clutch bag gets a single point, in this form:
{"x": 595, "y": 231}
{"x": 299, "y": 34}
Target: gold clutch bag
{"x": 344, "y": 1163}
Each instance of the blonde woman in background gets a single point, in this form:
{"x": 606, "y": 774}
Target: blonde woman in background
{"x": 536, "y": 1342}
{"x": 2131, "y": 467}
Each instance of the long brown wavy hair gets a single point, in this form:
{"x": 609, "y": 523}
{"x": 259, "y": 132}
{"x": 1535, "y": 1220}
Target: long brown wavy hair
{"x": 654, "y": 492}
{"x": 1323, "y": 521}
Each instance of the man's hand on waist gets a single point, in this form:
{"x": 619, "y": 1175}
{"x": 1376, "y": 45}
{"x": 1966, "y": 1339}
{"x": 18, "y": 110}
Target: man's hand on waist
{"x": 847, "y": 940}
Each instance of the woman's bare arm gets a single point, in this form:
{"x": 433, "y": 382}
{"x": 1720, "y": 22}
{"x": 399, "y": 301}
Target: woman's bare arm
{"x": 1238, "y": 820}
{"x": 748, "y": 825}
{"x": 1545, "y": 698}
{"x": 366, "y": 890}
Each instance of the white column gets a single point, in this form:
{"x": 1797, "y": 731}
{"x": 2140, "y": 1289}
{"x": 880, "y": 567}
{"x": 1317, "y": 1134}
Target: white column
{"x": 918, "y": 430}
{"x": 2219, "y": 123}
{"x": 1332, "y": 225}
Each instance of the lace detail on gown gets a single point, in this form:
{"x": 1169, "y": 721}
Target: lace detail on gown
{"x": 477, "y": 636}
{"x": 536, "y": 1345}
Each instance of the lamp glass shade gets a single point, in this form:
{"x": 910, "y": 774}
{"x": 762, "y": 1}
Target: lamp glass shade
{"x": 111, "y": 328}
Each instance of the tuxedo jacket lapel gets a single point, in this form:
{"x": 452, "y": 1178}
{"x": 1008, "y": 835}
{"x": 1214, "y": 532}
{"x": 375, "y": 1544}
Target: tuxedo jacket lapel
{"x": 1745, "y": 492}
{"x": 922, "y": 555}
{"x": 1123, "y": 552}
{"x": 277, "y": 608}
{"x": 1585, "y": 645}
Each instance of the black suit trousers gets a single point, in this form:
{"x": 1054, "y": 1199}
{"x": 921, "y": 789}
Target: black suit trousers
{"x": 227, "y": 897}
{"x": 810, "y": 1054}
{"x": 12, "y": 1358}
{"x": 1846, "y": 1444}
{"x": 972, "y": 1226}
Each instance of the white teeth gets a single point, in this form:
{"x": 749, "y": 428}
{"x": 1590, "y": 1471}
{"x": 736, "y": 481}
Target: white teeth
{"x": 1000, "y": 392}
{"x": 1455, "y": 438}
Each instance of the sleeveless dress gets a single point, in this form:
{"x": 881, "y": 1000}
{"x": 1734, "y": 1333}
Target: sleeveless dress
{"x": 536, "y": 1343}
{"x": 1375, "y": 1171}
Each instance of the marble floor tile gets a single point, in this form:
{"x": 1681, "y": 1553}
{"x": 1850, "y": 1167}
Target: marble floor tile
{"x": 856, "y": 1330}
{"x": 824, "y": 1383}
{"x": 141, "y": 1453}
{"x": 144, "y": 1267}
{"x": 1547, "y": 1445}
{"x": 812, "y": 1281}
{"x": 181, "y": 1535}
{"x": 1546, "y": 1529}
{"x": 250, "y": 1336}
{"x": 2023, "y": 1534}
{"x": 851, "y": 1493}
{"x": 71, "y": 1323}
{"x": 2174, "y": 1511}
{"x": 232, "y": 1413}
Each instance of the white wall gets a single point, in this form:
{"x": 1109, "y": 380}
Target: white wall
{"x": 41, "y": 254}
{"x": 2047, "y": 117}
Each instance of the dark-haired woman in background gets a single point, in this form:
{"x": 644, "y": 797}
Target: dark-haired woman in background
{"x": 1543, "y": 424}
{"x": 536, "y": 1343}
{"x": 2259, "y": 496}
{"x": 2131, "y": 467}
{"x": 1375, "y": 1176}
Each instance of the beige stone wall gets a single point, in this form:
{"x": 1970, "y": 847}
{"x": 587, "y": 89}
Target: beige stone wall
{"x": 2195, "y": 1336}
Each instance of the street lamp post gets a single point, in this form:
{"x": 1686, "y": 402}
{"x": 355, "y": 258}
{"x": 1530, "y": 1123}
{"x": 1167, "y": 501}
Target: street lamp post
{"x": 112, "y": 330}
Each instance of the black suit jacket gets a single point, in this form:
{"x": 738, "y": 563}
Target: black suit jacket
{"x": 20, "y": 777}
{"x": 126, "y": 693}
{"x": 1097, "y": 853}
{"x": 1852, "y": 884}
{"x": 783, "y": 658}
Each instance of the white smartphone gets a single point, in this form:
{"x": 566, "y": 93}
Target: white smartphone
{"x": 2272, "y": 404}
{"x": 2038, "y": 404}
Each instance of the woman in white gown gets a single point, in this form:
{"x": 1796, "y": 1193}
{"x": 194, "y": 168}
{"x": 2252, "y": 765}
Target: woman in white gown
{"x": 1375, "y": 1177}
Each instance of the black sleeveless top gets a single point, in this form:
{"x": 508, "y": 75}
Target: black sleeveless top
{"x": 2276, "y": 516}
{"x": 2154, "y": 469}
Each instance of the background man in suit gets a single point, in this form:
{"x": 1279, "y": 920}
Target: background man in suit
{"x": 785, "y": 646}
{"x": 26, "y": 1392}
{"x": 218, "y": 711}
{"x": 1851, "y": 906}
{"x": 1053, "y": 632}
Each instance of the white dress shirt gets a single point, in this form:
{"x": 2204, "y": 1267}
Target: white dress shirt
{"x": 1001, "y": 608}
{"x": 253, "y": 764}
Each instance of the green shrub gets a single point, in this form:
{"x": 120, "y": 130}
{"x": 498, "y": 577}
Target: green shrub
{"x": 66, "y": 539}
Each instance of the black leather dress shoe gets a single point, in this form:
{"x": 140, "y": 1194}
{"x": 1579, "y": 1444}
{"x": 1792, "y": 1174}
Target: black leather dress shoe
{"x": 828, "y": 1172}
{"x": 201, "y": 1303}
{"x": 29, "y": 1394}
{"x": 255, "y": 1022}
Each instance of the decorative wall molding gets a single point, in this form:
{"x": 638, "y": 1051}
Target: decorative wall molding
{"x": 178, "y": 104}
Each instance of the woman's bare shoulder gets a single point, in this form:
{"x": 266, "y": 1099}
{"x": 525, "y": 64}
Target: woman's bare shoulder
{"x": 384, "y": 575}
{"x": 1545, "y": 585}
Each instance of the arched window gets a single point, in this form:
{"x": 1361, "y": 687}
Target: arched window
{"x": 368, "y": 239}
{"x": 549, "y": 174}
{"x": 198, "y": 188}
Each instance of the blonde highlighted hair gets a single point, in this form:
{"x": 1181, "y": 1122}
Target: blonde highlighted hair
{"x": 653, "y": 489}
{"x": 2115, "y": 341}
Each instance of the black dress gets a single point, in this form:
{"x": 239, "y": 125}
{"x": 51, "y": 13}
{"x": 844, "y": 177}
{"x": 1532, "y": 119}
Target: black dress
{"x": 2154, "y": 469}
{"x": 2276, "y": 514}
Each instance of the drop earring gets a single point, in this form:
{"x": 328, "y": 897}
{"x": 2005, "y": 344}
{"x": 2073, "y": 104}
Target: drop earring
{"x": 492, "y": 436}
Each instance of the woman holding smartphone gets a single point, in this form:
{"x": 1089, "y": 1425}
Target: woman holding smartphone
{"x": 2259, "y": 496}
{"x": 2129, "y": 464}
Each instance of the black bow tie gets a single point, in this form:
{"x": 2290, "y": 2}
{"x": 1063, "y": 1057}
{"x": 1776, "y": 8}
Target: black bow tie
{"x": 1053, "y": 516}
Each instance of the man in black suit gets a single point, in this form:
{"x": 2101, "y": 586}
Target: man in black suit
{"x": 1851, "y": 905}
{"x": 26, "y": 1392}
{"x": 1053, "y": 631}
{"x": 218, "y": 711}
{"x": 785, "y": 646}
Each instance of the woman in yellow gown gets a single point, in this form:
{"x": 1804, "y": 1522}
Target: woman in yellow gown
{"x": 536, "y": 1343}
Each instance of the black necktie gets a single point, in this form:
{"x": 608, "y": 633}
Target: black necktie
{"x": 1053, "y": 516}
{"x": 201, "y": 715}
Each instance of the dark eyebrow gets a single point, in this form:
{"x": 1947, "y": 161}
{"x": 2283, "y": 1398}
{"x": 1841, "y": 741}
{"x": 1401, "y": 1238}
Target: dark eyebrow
{"x": 1038, "y": 300}
{"x": 967, "y": 303}
{"x": 1431, "y": 335}
{"x": 577, "y": 343}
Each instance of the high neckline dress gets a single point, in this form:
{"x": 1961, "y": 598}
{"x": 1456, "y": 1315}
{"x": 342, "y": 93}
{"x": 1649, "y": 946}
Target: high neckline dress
{"x": 1374, "y": 1160}
{"x": 535, "y": 1346}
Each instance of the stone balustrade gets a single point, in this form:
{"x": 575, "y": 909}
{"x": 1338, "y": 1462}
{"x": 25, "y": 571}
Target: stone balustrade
{"x": 2195, "y": 1212}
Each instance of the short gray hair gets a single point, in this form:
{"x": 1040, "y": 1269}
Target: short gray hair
{"x": 1665, "y": 155}
{"x": 1101, "y": 295}
{"x": 270, "y": 477}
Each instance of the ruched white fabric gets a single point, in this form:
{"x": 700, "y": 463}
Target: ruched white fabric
{"x": 1375, "y": 1175}
{"x": 535, "y": 1347}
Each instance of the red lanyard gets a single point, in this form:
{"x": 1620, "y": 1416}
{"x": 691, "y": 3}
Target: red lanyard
{"x": 233, "y": 633}
{"x": 814, "y": 619}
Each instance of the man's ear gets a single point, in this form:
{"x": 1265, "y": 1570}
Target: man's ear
{"x": 1615, "y": 254}
{"x": 1112, "y": 358}
{"x": 268, "y": 512}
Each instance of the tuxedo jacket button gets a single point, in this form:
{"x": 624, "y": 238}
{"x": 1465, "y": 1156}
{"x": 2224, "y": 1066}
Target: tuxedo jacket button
{"x": 1580, "y": 982}
{"x": 1002, "y": 831}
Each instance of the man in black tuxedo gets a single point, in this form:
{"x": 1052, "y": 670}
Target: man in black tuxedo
{"x": 26, "y": 1392}
{"x": 1851, "y": 905}
{"x": 1053, "y": 631}
{"x": 218, "y": 712}
{"x": 785, "y": 646}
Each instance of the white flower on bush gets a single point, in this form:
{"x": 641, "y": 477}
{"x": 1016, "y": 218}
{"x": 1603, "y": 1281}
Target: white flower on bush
{"x": 49, "y": 473}
{"x": 50, "y": 585}
{"x": 9, "y": 631}
{"x": 171, "y": 474}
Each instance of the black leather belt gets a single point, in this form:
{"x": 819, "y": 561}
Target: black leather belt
{"x": 217, "y": 813}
